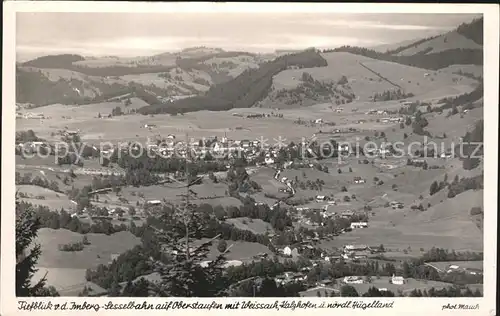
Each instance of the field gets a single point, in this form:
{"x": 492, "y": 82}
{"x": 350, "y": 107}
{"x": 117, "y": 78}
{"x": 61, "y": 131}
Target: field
{"x": 240, "y": 250}
{"x": 211, "y": 193}
{"x": 257, "y": 226}
{"x": 443, "y": 265}
{"x": 445, "y": 225}
{"x": 365, "y": 83}
{"x": 98, "y": 252}
{"x": 45, "y": 197}
{"x": 411, "y": 284}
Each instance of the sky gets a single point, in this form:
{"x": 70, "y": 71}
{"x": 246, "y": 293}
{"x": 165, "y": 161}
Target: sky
{"x": 141, "y": 34}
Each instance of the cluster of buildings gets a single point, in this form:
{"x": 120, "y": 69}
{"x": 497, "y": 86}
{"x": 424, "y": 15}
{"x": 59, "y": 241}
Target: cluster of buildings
{"x": 355, "y": 252}
{"x": 456, "y": 268}
{"x": 29, "y": 115}
{"x": 392, "y": 120}
{"x": 290, "y": 277}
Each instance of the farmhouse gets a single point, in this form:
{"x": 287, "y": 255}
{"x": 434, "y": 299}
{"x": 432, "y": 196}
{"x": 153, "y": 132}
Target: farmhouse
{"x": 355, "y": 225}
{"x": 353, "y": 280}
{"x": 71, "y": 133}
{"x": 399, "y": 280}
{"x": 355, "y": 247}
{"x": 359, "y": 180}
{"x": 473, "y": 271}
{"x": 323, "y": 283}
{"x": 321, "y": 198}
{"x": 153, "y": 202}
{"x": 347, "y": 214}
{"x": 395, "y": 205}
{"x": 343, "y": 147}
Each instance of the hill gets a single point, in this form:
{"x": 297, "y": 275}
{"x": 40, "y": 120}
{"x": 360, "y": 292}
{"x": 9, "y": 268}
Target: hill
{"x": 243, "y": 91}
{"x": 74, "y": 79}
{"x": 461, "y": 46}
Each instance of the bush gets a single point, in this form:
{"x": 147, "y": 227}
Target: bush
{"x": 222, "y": 246}
{"x": 476, "y": 211}
{"x": 78, "y": 246}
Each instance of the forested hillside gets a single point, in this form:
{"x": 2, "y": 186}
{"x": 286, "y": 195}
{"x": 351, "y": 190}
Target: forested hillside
{"x": 243, "y": 91}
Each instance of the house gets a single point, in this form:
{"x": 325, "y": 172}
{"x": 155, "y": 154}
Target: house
{"x": 153, "y": 202}
{"x": 355, "y": 225}
{"x": 321, "y": 198}
{"x": 346, "y": 214}
{"x": 359, "y": 180}
{"x": 287, "y": 251}
{"x": 348, "y": 248}
{"x": 269, "y": 160}
{"x": 71, "y": 133}
{"x": 343, "y": 147}
{"x": 353, "y": 280}
{"x": 396, "y": 205}
{"x": 473, "y": 271}
{"x": 399, "y": 280}
{"x": 323, "y": 283}
{"x": 245, "y": 144}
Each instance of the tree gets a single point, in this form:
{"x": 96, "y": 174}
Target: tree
{"x": 434, "y": 188}
{"x": 27, "y": 254}
{"x": 348, "y": 291}
{"x": 184, "y": 275}
{"x": 85, "y": 240}
{"x": 222, "y": 246}
{"x": 131, "y": 211}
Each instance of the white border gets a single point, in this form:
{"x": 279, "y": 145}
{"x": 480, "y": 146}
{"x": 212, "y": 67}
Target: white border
{"x": 406, "y": 306}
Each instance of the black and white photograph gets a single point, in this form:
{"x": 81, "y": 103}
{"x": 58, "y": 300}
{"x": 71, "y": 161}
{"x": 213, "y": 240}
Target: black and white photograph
{"x": 231, "y": 154}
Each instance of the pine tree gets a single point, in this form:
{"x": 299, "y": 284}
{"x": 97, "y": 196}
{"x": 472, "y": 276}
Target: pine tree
{"x": 434, "y": 188}
{"x": 27, "y": 225}
{"x": 184, "y": 275}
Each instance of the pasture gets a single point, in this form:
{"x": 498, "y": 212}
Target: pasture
{"x": 98, "y": 252}
{"x": 256, "y": 226}
{"x": 240, "y": 250}
{"x": 443, "y": 265}
{"x": 45, "y": 197}
{"x": 404, "y": 289}
{"x": 445, "y": 225}
{"x": 365, "y": 83}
